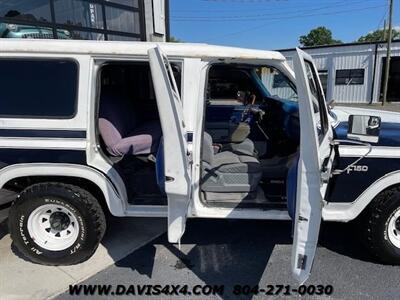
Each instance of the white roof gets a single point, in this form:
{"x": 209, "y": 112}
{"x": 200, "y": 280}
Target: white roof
{"x": 133, "y": 48}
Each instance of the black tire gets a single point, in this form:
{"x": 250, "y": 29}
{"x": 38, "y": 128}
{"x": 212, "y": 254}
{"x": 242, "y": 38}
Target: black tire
{"x": 375, "y": 226}
{"x": 85, "y": 209}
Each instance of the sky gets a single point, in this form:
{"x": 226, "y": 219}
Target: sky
{"x": 274, "y": 24}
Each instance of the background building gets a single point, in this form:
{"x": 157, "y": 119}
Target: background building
{"x": 132, "y": 20}
{"x": 353, "y": 73}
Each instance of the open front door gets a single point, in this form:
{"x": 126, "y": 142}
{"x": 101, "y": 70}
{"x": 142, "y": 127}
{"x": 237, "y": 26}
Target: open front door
{"x": 314, "y": 166}
{"x": 177, "y": 172}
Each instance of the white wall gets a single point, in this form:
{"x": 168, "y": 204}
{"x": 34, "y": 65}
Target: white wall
{"x": 155, "y": 16}
{"x": 350, "y": 57}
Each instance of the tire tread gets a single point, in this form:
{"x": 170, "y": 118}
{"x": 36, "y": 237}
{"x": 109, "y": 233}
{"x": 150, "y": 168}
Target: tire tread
{"x": 86, "y": 198}
{"x": 371, "y": 217}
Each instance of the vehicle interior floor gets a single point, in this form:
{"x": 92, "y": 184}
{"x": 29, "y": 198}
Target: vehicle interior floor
{"x": 139, "y": 175}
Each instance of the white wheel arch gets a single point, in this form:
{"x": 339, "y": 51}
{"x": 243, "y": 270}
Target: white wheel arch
{"x": 344, "y": 212}
{"x": 115, "y": 198}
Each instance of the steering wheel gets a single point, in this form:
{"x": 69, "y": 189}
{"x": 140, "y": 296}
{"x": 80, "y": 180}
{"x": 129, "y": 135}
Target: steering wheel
{"x": 254, "y": 114}
{"x": 251, "y": 113}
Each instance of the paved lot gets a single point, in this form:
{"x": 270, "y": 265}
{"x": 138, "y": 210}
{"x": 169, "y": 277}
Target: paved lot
{"x": 22, "y": 279}
{"x": 233, "y": 252}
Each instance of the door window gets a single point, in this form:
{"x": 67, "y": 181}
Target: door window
{"x": 323, "y": 76}
{"x": 318, "y": 100}
{"x": 277, "y": 84}
{"x": 229, "y": 85}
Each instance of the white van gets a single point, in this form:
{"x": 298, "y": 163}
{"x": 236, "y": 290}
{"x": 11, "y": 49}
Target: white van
{"x": 184, "y": 130}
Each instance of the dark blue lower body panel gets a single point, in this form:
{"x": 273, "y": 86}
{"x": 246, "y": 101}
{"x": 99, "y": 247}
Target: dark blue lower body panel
{"x": 20, "y": 156}
{"x": 347, "y": 187}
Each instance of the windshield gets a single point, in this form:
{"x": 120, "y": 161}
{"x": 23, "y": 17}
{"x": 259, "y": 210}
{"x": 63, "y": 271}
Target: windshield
{"x": 276, "y": 83}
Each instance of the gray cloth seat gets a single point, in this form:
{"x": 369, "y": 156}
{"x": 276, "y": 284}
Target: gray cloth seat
{"x": 238, "y": 141}
{"x": 227, "y": 172}
{"x": 244, "y": 148}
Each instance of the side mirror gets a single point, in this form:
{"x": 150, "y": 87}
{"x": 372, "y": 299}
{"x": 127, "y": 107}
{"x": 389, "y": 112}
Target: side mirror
{"x": 364, "y": 128}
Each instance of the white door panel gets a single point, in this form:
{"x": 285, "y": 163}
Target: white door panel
{"x": 315, "y": 163}
{"x": 176, "y": 163}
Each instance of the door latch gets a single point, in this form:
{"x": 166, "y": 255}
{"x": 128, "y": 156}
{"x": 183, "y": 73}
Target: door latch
{"x": 325, "y": 175}
{"x": 190, "y": 157}
{"x": 301, "y": 262}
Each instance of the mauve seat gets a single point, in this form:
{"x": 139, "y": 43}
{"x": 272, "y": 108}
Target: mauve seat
{"x": 120, "y": 130}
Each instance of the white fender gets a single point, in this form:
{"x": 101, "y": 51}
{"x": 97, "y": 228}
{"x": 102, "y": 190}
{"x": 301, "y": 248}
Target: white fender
{"x": 112, "y": 196}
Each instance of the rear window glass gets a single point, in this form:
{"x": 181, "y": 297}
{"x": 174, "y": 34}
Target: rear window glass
{"x": 38, "y": 88}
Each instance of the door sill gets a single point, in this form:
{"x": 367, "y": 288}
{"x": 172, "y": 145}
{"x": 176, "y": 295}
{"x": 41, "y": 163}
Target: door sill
{"x": 150, "y": 211}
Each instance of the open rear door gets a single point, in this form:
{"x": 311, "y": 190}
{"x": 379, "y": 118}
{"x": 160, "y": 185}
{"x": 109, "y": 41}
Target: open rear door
{"x": 177, "y": 172}
{"x": 314, "y": 166}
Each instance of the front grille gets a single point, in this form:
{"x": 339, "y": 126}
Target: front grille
{"x": 37, "y": 36}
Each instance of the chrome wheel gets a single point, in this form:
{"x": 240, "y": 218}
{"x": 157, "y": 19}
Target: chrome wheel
{"x": 394, "y": 229}
{"x": 53, "y": 227}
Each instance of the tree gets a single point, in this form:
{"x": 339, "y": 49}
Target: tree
{"x": 378, "y": 36}
{"x": 317, "y": 37}
{"x": 173, "y": 39}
